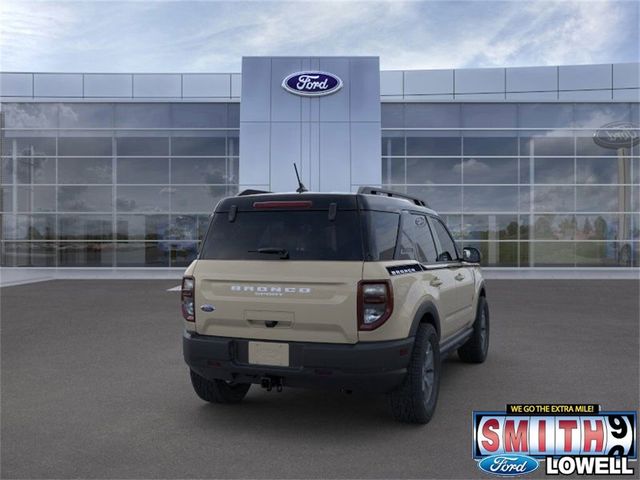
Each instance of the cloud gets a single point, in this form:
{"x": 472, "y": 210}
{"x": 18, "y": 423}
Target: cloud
{"x": 213, "y": 36}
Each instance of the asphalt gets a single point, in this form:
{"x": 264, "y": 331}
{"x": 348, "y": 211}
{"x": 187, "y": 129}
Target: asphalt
{"x": 94, "y": 386}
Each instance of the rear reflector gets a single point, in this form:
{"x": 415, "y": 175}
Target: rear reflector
{"x": 283, "y": 204}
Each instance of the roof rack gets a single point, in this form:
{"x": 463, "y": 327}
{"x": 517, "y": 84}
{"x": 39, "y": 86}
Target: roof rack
{"x": 251, "y": 191}
{"x": 391, "y": 193}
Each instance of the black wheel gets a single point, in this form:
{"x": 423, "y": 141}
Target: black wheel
{"x": 477, "y": 347}
{"x": 218, "y": 391}
{"x": 415, "y": 400}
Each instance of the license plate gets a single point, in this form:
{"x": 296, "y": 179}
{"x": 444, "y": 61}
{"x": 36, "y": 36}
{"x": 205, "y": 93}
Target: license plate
{"x": 269, "y": 353}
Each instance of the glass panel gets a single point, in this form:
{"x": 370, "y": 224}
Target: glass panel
{"x": 233, "y": 143}
{"x": 233, "y": 113}
{"x": 392, "y": 115}
{"x": 143, "y": 170}
{"x": 490, "y": 199}
{"x": 604, "y": 227}
{"x": 603, "y": 254}
{"x": 198, "y": 146}
{"x": 489, "y": 116}
{"x": 143, "y": 199}
{"x": 187, "y": 227}
{"x": 84, "y": 170}
{"x": 29, "y": 146}
{"x": 29, "y": 227}
{"x": 420, "y": 144}
{"x": 429, "y": 115}
{"x": 199, "y": 170}
{"x": 491, "y": 227}
{"x": 85, "y": 254}
{"x": 27, "y": 254}
{"x": 6, "y": 199}
{"x": 36, "y": 199}
{"x": 393, "y": 170}
{"x": 84, "y": 199}
{"x": 635, "y": 226}
{"x": 554, "y": 170}
{"x": 434, "y": 170}
{"x": 586, "y": 146}
{"x": 142, "y": 146}
{"x": 36, "y": 170}
{"x": 183, "y": 253}
{"x": 30, "y": 115}
{"x": 149, "y": 254}
{"x": 392, "y": 143}
{"x": 598, "y": 114}
{"x": 84, "y": 146}
{"x": 382, "y": 232}
{"x": 545, "y": 115}
{"x": 454, "y": 224}
{"x": 196, "y": 199}
{"x": 83, "y": 115}
{"x": 199, "y": 115}
{"x": 603, "y": 170}
{"x": 554, "y": 227}
{"x": 602, "y": 199}
{"x": 552, "y": 254}
{"x": 554, "y": 199}
{"x": 441, "y": 199}
{"x": 490, "y": 170}
{"x": 85, "y": 227}
{"x": 142, "y": 115}
{"x": 6, "y": 171}
{"x": 500, "y": 146}
{"x": 525, "y": 227}
{"x": 546, "y": 146}
{"x": 496, "y": 254}
{"x": 525, "y": 172}
{"x": 142, "y": 227}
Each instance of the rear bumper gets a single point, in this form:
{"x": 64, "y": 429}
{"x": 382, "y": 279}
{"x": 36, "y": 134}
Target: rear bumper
{"x": 371, "y": 366}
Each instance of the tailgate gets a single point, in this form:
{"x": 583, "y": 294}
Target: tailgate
{"x": 306, "y": 301}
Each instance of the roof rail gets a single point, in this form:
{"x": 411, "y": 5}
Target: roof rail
{"x": 391, "y": 193}
{"x": 251, "y": 191}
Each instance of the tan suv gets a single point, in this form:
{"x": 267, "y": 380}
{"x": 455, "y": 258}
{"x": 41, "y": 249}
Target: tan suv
{"x": 363, "y": 291}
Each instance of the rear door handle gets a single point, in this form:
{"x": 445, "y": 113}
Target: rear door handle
{"x": 459, "y": 277}
{"x": 436, "y": 282}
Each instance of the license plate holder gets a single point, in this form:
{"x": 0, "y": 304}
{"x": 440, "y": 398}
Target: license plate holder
{"x": 269, "y": 353}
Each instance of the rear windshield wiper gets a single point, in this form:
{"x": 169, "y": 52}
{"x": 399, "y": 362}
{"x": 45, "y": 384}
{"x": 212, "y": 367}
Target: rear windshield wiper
{"x": 283, "y": 252}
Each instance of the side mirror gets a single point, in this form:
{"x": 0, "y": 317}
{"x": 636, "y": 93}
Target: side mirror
{"x": 471, "y": 255}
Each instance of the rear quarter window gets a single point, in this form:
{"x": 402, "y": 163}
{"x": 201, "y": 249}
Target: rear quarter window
{"x": 382, "y": 233}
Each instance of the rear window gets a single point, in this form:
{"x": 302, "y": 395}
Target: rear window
{"x": 304, "y": 235}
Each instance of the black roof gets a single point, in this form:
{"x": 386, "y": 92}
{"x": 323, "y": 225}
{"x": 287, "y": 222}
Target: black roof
{"x": 321, "y": 201}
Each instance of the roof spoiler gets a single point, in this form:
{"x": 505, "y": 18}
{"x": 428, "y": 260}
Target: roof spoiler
{"x": 391, "y": 193}
{"x": 250, "y": 191}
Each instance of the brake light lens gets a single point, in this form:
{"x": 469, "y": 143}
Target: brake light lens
{"x": 375, "y": 303}
{"x": 187, "y": 299}
{"x": 283, "y": 204}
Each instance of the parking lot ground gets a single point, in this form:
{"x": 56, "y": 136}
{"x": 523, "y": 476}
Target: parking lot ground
{"x": 94, "y": 386}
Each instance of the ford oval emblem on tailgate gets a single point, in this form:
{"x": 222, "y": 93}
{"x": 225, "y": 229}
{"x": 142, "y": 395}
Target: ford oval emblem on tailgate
{"x": 207, "y": 308}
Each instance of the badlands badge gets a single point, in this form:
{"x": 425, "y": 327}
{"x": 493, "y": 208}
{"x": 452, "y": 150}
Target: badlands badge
{"x": 571, "y": 439}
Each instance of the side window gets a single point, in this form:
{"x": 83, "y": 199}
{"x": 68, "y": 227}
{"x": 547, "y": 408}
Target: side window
{"x": 382, "y": 234}
{"x": 416, "y": 242}
{"x": 445, "y": 244}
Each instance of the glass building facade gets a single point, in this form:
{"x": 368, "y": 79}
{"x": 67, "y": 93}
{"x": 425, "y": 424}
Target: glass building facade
{"x": 127, "y": 182}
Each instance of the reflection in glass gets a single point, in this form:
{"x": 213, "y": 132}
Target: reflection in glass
{"x": 29, "y": 227}
{"x": 85, "y": 146}
{"x": 84, "y": 199}
{"x": 485, "y": 115}
{"x": 31, "y": 254}
{"x": 441, "y": 199}
{"x": 6, "y": 171}
{"x": 143, "y": 199}
{"x": 392, "y": 115}
{"x": 490, "y": 146}
{"x": 491, "y": 227}
{"x": 143, "y": 170}
{"x": 393, "y": 170}
{"x": 603, "y": 254}
{"x": 29, "y": 146}
{"x": 86, "y": 115}
{"x": 142, "y": 115}
{"x": 554, "y": 170}
{"x": 199, "y": 170}
{"x": 36, "y": 199}
{"x": 553, "y": 199}
{"x": 149, "y": 254}
{"x": 142, "y": 146}
{"x": 434, "y": 170}
{"x": 604, "y": 226}
{"x": 142, "y": 227}
{"x": 84, "y": 170}
{"x": 71, "y": 254}
{"x": 490, "y": 199}
{"x": 85, "y": 227}
{"x": 602, "y": 198}
{"x": 36, "y": 170}
{"x": 30, "y": 115}
{"x": 199, "y": 146}
{"x": 554, "y": 227}
{"x": 603, "y": 170}
{"x": 392, "y": 143}
{"x": 496, "y": 254}
{"x": 422, "y": 145}
{"x": 196, "y": 199}
{"x": 552, "y": 254}
{"x": 431, "y": 115}
{"x": 199, "y": 115}
{"x": 490, "y": 170}
{"x": 182, "y": 253}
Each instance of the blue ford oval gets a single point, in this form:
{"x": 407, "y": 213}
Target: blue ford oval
{"x": 207, "y": 308}
{"x": 508, "y": 465}
{"x": 312, "y": 84}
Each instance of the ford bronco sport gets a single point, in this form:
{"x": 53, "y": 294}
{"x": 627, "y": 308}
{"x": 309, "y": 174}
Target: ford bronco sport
{"x": 363, "y": 291}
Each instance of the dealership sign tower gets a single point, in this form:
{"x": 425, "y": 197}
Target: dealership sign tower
{"x": 321, "y": 112}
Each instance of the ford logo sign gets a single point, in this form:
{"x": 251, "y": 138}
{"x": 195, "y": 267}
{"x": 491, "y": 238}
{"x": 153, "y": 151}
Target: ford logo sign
{"x": 508, "y": 465}
{"x": 312, "y": 84}
{"x": 617, "y": 135}
{"x": 207, "y": 308}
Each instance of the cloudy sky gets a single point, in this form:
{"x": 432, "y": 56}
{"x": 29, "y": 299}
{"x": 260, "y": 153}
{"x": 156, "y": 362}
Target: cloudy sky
{"x": 212, "y": 36}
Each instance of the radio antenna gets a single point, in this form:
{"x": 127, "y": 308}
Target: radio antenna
{"x": 301, "y": 188}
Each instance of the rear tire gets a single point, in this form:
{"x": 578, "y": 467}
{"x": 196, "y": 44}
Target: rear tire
{"x": 218, "y": 391}
{"x": 477, "y": 347}
{"x": 415, "y": 400}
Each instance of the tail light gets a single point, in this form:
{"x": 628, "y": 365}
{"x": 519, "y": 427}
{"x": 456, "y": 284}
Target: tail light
{"x": 187, "y": 298}
{"x": 375, "y": 303}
